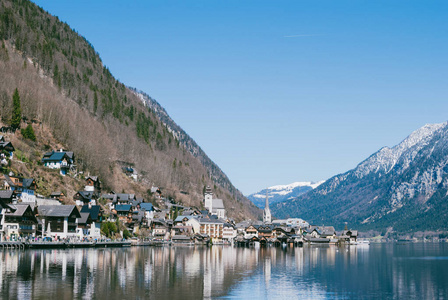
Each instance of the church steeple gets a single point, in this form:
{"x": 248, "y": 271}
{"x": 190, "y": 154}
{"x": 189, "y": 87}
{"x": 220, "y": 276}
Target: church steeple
{"x": 267, "y": 219}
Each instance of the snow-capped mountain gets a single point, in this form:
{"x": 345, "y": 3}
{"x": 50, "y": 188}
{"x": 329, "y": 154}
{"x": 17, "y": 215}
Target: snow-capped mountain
{"x": 279, "y": 193}
{"x": 404, "y": 187}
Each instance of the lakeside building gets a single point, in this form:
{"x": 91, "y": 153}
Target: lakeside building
{"x": 59, "y": 221}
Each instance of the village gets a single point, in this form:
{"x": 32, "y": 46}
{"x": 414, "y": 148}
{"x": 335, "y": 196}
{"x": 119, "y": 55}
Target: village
{"x": 122, "y": 219}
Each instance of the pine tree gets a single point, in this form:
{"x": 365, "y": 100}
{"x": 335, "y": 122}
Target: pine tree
{"x": 28, "y": 133}
{"x": 16, "y": 110}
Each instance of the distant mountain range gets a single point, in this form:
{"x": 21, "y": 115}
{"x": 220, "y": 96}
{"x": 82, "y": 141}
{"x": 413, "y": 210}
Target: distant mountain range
{"x": 404, "y": 188}
{"x": 280, "y": 193}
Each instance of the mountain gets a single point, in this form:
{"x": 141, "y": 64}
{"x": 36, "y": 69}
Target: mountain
{"x": 279, "y": 193}
{"x": 73, "y": 101}
{"x": 404, "y": 189}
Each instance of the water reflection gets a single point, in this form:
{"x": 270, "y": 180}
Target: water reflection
{"x": 379, "y": 271}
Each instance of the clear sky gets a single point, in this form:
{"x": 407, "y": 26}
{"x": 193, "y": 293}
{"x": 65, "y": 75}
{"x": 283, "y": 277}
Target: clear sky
{"x": 278, "y": 91}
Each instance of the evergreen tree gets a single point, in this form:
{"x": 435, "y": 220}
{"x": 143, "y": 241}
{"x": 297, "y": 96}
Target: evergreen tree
{"x": 28, "y": 133}
{"x": 16, "y": 110}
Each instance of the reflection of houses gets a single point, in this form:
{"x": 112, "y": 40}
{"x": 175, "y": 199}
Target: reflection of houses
{"x": 20, "y": 223}
{"x": 214, "y": 206}
{"x": 63, "y": 160}
{"x": 24, "y": 187}
{"x": 58, "y": 220}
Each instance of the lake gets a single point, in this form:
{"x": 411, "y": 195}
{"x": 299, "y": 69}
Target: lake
{"x": 378, "y": 271}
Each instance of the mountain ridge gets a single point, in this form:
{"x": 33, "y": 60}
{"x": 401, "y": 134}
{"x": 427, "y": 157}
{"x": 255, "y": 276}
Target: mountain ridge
{"x": 403, "y": 188}
{"x": 278, "y": 193}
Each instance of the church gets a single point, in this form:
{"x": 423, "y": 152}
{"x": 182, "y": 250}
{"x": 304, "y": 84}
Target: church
{"x": 267, "y": 219}
{"x": 214, "y": 206}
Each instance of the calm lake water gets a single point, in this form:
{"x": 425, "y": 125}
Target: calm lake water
{"x": 378, "y": 271}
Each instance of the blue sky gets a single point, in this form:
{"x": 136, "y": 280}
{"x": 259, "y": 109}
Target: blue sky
{"x": 278, "y": 91}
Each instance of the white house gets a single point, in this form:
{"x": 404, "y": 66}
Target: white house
{"x": 59, "y": 221}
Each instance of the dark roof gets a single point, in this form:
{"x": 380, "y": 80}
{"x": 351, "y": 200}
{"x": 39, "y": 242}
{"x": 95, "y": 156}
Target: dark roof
{"x": 56, "y": 156}
{"x": 56, "y": 194}
{"x": 94, "y": 211}
{"x": 205, "y": 220}
{"x": 7, "y": 146}
{"x": 124, "y": 197}
{"x": 123, "y": 207}
{"x": 87, "y": 195}
{"x": 57, "y": 210}
{"x": 109, "y": 196}
{"x": 146, "y": 206}
{"x": 85, "y": 216}
{"x": 20, "y": 211}
{"x": 6, "y": 195}
{"x": 25, "y": 182}
{"x": 94, "y": 178}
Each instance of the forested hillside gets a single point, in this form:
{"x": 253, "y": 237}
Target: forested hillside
{"x": 64, "y": 86}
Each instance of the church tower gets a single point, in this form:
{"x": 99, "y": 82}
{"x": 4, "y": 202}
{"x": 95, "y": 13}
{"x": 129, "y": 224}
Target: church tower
{"x": 208, "y": 199}
{"x": 267, "y": 219}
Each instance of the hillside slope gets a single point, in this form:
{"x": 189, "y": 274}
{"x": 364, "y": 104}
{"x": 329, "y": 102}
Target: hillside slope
{"x": 403, "y": 188}
{"x": 64, "y": 85}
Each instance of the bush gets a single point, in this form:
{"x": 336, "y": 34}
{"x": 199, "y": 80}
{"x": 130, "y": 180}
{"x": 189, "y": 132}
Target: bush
{"x": 28, "y": 133}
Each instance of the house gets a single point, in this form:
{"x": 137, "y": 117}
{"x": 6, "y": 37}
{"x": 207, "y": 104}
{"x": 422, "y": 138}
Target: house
{"x": 350, "y": 235}
{"x": 191, "y": 221}
{"x": 24, "y": 187}
{"x": 20, "y": 223}
{"x": 63, "y": 160}
{"x": 59, "y": 221}
{"x": 228, "y": 232}
{"x": 148, "y": 213}
{"x": 93, "y": 184}
{"x": 6, "y": 148}
{"x": 214, "y": 206}
{"x": 93, "y": 225}
{"x": 264, "y": 231}
{"x": 160, "y": 229}
{"x": 123, "y": 213}
{"x": 84, "y": 223}
{"x": 84, "y": 198}
{"x": 213, "y": 228}
{"x": 251, "y": 231}
{"x": 60, "y": 196}
{"x": 6, "y": 199}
